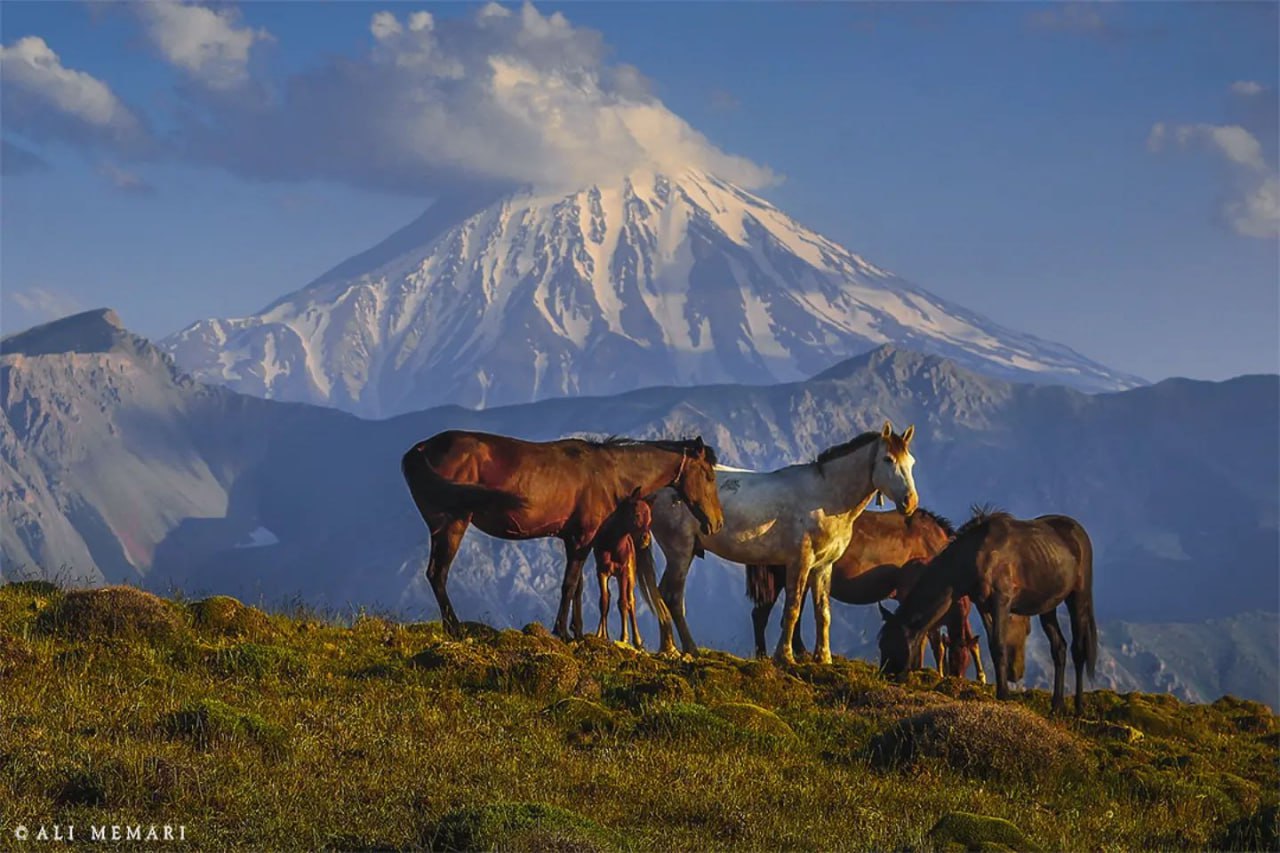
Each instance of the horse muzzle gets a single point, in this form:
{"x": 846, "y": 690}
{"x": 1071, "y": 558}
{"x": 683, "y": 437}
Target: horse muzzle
{"x": 908, "y": 506}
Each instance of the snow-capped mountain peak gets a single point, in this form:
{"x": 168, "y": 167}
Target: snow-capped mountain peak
{"x": 655, "y": 280}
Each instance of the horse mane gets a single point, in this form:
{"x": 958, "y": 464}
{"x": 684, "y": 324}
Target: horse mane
{"x": 940, "y": 520}
{"x": 981, "y": 514}
{"x": 845, "y": 449}
{"x": 683, "y": 445}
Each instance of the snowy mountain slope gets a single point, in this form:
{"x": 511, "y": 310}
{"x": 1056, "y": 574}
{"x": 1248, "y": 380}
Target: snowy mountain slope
{"x": 656, "y": 281}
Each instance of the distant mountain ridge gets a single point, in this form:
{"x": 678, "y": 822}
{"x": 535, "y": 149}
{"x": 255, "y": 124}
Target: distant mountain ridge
{"x": 657, "y": 280}
{"x": 116, "y": 467}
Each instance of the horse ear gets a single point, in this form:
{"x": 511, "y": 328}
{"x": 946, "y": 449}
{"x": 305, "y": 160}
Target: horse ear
{"x": 698, "y": 443}
{"x": 635, "y": 494}
{"x": 906, "y": 436}
{"x": 887, "y": 432}
{"x": 885, "y": 612}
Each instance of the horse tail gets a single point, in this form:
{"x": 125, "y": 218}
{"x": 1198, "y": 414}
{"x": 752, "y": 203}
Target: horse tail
{"x": 432, "y": 492}
{"x": 1086, "y": 596}
{"x": 647, "y": 576}
{"x": 762, "y": 584}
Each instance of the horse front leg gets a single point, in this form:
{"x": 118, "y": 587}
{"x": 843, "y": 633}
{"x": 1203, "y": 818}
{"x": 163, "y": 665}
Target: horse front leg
{"x": 820, "y": 584}
{"x": 997, "y": 631}
{"x": 603, "y": 630}
{"x": 936, "y": 647}
{"x": 975, "y": 646}
{"x": 797, "y": 583}
{"x": 628, "y": 595}
{"x": 570, "y": 589}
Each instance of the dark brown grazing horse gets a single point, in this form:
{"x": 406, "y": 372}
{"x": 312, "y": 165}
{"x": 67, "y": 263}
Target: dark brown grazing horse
{"x": 615, "y": 552}
{"x": 514, "y": 489}
{"x": 1006, "y": 566}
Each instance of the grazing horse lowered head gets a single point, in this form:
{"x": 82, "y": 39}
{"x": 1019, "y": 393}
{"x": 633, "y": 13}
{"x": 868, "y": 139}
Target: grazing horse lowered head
{"x": 515, "y": 489}
{"x": 800, "y": 517}
{"x": 1006, "y": 566}
{"x": 615, "y": 552}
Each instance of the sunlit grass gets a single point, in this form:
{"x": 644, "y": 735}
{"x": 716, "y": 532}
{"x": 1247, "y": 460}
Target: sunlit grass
{"x": 292, "y": 732}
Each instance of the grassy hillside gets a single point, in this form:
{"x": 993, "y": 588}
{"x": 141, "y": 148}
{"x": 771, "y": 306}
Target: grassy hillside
{"x": 294, "y": 732}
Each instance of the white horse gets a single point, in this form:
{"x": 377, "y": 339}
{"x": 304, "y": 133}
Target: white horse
{"x": 800, "y": 516}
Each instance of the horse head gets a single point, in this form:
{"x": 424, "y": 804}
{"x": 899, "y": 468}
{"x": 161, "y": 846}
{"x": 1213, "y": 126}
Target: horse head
{"x": 903, "y": 633}
{"x": 638, "y": 515}
{"x": 696, "y": 483}
{"x": 891, "y": 474}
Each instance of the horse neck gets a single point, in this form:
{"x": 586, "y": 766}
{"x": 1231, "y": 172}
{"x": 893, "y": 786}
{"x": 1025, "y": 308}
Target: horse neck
{"x": 926, "y": 538}
{"x": 650, "y": 468}
{"x": 846, "y": 479}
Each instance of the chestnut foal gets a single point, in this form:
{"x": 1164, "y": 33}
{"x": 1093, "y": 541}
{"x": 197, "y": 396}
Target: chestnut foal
{"x": 615, "y": 549}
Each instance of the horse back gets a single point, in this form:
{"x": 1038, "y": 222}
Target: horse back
{"x": 1043, "y": 560}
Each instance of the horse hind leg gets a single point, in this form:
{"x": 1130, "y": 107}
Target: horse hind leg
{"x": 446, "y": 536}
{"x": 820, "y": 583}
{"x": 767, "y": 585}
{"x": 570, "y": 591}
{"x": 1058, "y": 648}
{"x": 1082, "y": 628}
{"x": 672, "y": 589}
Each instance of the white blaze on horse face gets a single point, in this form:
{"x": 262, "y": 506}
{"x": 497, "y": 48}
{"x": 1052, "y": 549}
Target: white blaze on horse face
{"x": 893, "y": 476}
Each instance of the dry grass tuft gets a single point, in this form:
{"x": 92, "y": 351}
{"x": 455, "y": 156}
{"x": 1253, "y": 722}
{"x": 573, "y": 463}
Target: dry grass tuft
{"x": 224, "y": 616}
{"x": 121, "y": 612}
{"x": 982, "y": 739}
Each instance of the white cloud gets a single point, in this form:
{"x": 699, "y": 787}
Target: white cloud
{"x": 43, "y": 303}
{"x": 1247, "y": 88}
{"x": 44, "y": 98}
{"x": 1251, "y": 206}
{"x": 492, "y": 96}
{"x": 209, "y": 45}
{"x": 1255, "y": 212}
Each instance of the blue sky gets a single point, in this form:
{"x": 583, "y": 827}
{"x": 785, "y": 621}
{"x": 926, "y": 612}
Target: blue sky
{"x": 1100, "y": 175}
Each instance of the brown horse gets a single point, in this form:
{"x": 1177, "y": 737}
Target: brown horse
{"x": 1006, "y": 566}
{"x": 615, "y": 552}
{"x": 514, "y": 489}
{"x": 884, "y": 559}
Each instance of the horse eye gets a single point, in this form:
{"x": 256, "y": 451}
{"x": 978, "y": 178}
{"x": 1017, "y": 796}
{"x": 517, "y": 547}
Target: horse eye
{"x": 889, "y": 459}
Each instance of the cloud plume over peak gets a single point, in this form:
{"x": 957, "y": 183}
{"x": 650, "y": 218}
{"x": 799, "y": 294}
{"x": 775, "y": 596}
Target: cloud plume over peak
{"x": 1250, "y": 203}
{"x": 496, "y": 96}
{"x": 211, "y": 46}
